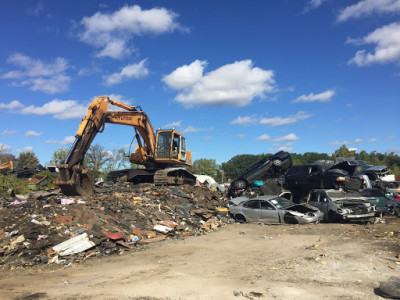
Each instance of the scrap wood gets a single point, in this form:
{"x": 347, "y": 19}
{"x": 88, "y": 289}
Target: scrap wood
{"x": 152, "y": 240}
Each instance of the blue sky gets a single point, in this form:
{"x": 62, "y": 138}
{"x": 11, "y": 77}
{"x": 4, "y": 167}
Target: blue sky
{"x": 234, "y": 76}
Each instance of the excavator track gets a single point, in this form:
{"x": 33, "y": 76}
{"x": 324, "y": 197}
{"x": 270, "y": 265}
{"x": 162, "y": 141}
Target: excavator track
{"x": 176, "y": 176}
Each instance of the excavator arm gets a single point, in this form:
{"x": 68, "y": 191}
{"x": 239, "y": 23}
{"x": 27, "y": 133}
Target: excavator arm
{"x": 73, "y": 179}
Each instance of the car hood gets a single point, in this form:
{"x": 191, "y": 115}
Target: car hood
{"x": 348, "y": 166}
{"x": 238, "y": 200}
{"x": 302, "y": 208}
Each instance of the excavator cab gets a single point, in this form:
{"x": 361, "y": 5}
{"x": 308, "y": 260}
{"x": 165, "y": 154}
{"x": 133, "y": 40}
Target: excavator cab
{"x": 171, "y": 148}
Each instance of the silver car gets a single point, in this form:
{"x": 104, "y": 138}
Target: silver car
{"x": 272, "y": 210}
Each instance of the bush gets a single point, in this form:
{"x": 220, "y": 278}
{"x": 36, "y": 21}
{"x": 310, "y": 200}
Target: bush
{"x": 10, "y": 183}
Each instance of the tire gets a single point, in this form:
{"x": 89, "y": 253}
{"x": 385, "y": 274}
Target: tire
{"x": 289, "y": 219}
{"x": 277, "y": 162}
{"x": 240, "y": 184}
{"x": 332, "y": 217}
{"x": 240, "y": 218}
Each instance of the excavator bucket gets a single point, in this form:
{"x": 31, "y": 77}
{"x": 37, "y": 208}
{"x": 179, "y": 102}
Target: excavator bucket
{"x": 75, "y": 182}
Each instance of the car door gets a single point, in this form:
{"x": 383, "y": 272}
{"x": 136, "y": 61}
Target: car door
{"x": 315, "y": 177}
{"x": 251, "y": 210}
{"x": 319, "y": 200}
{"x": 268, "y": 213}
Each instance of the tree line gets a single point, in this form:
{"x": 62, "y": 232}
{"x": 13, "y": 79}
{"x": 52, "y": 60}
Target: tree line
{"x": 100, "y": 162}
{"x": 234, "y": 167}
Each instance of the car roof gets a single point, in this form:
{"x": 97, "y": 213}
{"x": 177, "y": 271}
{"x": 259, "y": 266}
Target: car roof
{"x": 239, "y": 200}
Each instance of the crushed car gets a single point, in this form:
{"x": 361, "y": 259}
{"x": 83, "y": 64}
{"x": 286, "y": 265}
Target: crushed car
{"x": 319, "y": 175}
{"x": 265, "y": 171}
{"x": 339, "y": 205}
{"x": 384, "y": 204}
{"x": 272, "y": 209}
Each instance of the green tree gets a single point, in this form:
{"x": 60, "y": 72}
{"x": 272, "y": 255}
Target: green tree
{"x": 344, "y": 152}
{"x": 310, "y": 157}
{"x": 205, "y": 166}
{"x": 238, "y": 164}
{"x": 6, "y": 157}
{"x": 395, "y": 169}
{"x": 27, "y": 160}
{"x": 96, "y": 159}
{"x": 119, "y": 159}
{"x": 59, "y": 156}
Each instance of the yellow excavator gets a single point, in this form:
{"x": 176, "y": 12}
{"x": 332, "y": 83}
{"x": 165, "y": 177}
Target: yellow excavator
{"x": 164, "y": 154}
{"x": 7, "y": 165}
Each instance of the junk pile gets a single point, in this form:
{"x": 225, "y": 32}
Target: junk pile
{"x": 48, "y": 227}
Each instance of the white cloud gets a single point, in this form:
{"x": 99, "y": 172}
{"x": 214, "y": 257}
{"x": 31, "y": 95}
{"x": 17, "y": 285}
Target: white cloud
{"x": 33, "y": 133}
{"x": 392, "y": 137}
{"x": 175, "y": 124}
{"x": 241, "y": 135}
{"x": 235, "y": 84}
{"x": 247, "y": 120}
{"x": 313, "y": 4}
{"x": 339, "y": 143}
{"x": 51, "y": 142}
{"x": 289, "y": 137}
{"x": 37, "y": 10}
{"x": 387, "y": 46}
{"x": 278, "y": 121}
{"x": 185, "y": 76}
{"x": 128, "y": 72}
{"x": 49, "y": 78}
{"x": 112, "y": 32}
{"x": 357, "y": 141}
{"x": 264, "y": 137}
{"x": 60, "y": 109}
{"x": 369, "y": 7}
{"x": 67, "y": 140}
{"x": 321, "y": 97}
{"x": 13, "y": 105}
{"x": 8, "y": 132}
{"x": 25, "y": 149}
{"x": 283, "y": 147}
{"x": 5, "y": 148}
{"x": 192, "y": 129}
{"x": 354, "y": 142}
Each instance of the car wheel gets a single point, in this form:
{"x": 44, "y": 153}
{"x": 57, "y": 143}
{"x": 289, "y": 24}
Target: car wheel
{"x": 332, "y": 216}
{"x": 240, "y": 184}
{"x": 277, "y": 162}
{"x": 240, "y": 218}
{"x": 289, "y": 219}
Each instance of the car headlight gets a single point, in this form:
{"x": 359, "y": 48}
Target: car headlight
{"x": 341, "y": 179}
{"x": 344, "y": 211}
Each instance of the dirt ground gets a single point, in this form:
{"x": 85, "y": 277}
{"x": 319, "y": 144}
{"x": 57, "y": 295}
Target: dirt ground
{"x": 238, "y": 261}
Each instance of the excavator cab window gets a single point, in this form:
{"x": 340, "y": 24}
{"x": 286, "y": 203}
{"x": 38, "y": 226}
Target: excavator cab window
{"x": 175, "y": 146}
{"x": 183, "y": 148}
{"x": 164, "y": 144}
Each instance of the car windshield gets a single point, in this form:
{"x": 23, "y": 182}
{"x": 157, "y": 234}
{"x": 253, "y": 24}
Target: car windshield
{"x": 372, "y": 193}
{"x": 336, "y": 194}
{"x": 281, "y": 203}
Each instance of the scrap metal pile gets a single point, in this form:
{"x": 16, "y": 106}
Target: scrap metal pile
{"x": 48, "y": 227}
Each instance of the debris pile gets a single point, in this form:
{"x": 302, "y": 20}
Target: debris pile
{"x": 48, "y": 227}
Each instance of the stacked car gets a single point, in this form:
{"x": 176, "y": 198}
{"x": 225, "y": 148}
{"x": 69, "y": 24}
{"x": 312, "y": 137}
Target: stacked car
{"x": 330, "y": 191}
